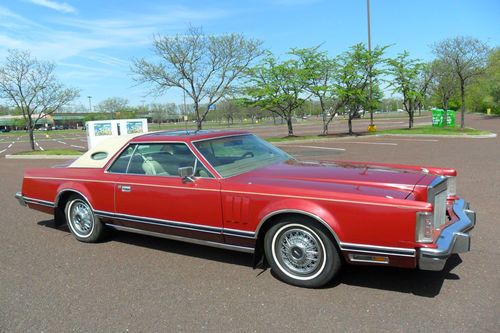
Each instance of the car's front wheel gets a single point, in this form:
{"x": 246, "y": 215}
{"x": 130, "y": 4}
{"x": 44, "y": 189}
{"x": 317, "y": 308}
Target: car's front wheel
{"x": 301, "y": 254}
{"x": 82, "y": 222}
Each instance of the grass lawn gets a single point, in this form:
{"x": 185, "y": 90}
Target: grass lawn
{"x": 430, "y": 130}
{"x": 50, "y": 152}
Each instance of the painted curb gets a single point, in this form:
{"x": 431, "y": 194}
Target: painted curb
{"x": 465, "y": 136}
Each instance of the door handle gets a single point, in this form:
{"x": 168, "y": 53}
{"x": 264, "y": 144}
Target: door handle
{"x": 126, "y": 188}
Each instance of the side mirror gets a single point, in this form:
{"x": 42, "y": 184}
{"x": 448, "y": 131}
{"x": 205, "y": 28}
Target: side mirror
{"x": 186, "y": 173}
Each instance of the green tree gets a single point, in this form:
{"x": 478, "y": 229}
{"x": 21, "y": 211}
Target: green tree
{"x": 278, "y": 87}
{"x": 466, "y": 57}
{"x": 32, "y": 87}
{"x": 351, "y": 80}
{"x": 204, "y": 67}
{"x": 484, "y": 92}
{"x": 321, "y": 70}
{"x": 405, "y": 74}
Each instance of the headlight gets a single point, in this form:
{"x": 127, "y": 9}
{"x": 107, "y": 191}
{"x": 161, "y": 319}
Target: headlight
{"x": 424, "y": 227}
{"x": 452, "y": 186}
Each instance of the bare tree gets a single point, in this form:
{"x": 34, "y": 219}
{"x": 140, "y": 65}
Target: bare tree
{"x": 112, "y": 106}
{"x": 32, "y": 87}
{"x": 444, "y": 85}
{"x": 204, "y": 66}
{"x": 467, "y": 58}
{"x": 424, "y": 82}
{"x": 162, "y": 112}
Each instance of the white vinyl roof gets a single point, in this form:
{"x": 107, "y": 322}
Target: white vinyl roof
{"x": 109, "y": 146}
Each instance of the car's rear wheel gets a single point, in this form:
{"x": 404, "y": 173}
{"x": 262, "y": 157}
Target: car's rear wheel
{"x": 300, "y": 253}
{"x": 82, "y": 222}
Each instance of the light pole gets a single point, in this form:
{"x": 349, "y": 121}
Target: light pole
{"x": 372, "y": 127}
{"x": 90, "y": 103}
{"x": 185, "y": 111}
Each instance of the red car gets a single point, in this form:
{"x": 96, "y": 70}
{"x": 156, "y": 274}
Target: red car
{"x": 235, "y": 191}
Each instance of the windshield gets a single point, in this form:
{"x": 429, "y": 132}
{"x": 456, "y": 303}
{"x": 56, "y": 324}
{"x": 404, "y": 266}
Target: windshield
{"x": 238, "y": 154}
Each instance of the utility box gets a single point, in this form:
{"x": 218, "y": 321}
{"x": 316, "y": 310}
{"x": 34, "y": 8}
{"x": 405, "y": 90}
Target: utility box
{"x": 438, "y": 118}
{"x": 100, "y": 130}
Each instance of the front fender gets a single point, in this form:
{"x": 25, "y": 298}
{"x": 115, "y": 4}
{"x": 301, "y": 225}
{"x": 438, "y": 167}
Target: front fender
{"x": 300, "y": 206}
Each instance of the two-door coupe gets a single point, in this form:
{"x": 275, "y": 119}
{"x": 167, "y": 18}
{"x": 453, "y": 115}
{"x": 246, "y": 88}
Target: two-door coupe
{"x": 232, "y": 190}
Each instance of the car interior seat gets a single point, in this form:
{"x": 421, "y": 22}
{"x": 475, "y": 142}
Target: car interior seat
{"x": 152, "y": 167}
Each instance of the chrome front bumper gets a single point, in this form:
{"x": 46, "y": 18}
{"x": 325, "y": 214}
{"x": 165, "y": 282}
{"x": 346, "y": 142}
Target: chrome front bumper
{"x": 20, "y": 198}
{"x": 453, "y": 239}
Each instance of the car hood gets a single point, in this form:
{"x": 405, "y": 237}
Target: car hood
{"x": 340, "y": 177}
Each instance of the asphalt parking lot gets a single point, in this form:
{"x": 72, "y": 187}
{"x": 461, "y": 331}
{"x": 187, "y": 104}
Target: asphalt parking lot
{"x": 50, "y": 282}
{"x": 17, "y": 141}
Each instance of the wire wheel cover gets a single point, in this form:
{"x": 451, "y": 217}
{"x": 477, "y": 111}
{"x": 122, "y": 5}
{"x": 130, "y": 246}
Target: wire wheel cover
{"x": 299, "y": 251}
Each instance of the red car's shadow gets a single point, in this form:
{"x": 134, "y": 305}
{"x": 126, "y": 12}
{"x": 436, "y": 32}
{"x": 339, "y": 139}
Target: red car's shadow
{"x": 172, "y": 246}
{"x": 411, "y": 281}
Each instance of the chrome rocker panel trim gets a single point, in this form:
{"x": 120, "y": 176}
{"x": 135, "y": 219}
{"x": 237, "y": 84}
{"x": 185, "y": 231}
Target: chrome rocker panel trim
{"x": 24, "y": 201}
{"x": 453, "y": 239}
{"x": 183, "y": 239}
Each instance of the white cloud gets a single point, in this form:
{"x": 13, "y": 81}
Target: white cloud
{"x": 59, "y": 6}
{"x": 89, "y": 51}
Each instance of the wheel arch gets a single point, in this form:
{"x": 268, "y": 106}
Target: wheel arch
{"x": 273, "y": 217}
{"x": 61, "y": 199}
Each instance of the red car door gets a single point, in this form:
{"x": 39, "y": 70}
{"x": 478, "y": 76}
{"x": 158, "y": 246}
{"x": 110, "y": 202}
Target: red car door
{"x": 150, "y": 196}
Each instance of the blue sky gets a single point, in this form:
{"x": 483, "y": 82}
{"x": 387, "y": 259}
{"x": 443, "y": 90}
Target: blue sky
{"x": 92, "y": 42}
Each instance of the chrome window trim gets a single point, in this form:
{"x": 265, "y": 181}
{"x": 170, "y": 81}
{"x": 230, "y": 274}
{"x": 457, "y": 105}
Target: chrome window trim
{"x": 129, "y": 160}
{"x": 221, "y": 137}
{"x": 153, "y": 142}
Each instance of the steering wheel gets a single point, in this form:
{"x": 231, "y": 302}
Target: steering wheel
{"x": 248, "y": 154}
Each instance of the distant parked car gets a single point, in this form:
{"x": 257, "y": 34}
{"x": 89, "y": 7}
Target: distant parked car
{"x": 5, "y": 130}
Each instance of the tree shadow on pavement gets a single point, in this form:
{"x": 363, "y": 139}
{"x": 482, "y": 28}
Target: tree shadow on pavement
{"x": 411, "y": 281}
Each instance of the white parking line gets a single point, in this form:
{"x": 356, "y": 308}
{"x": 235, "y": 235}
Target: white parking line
{"x": 77, "y": 146}
{"x": 10, "y": 145}
{"x": 316, "y": 147}
{"x": 64, "y": 143}
{"x": 40, "y": 147}
{"x": 371, "y": 143}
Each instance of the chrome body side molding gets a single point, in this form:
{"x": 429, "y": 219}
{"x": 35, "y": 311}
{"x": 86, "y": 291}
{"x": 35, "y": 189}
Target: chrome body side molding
{"x": 183, "y": 239}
